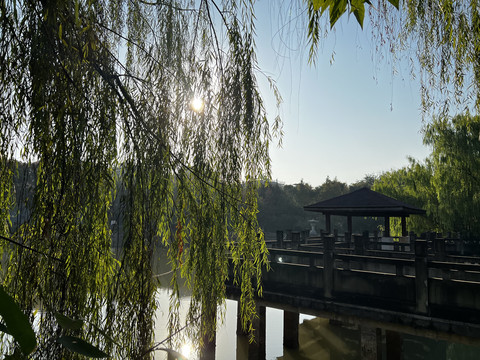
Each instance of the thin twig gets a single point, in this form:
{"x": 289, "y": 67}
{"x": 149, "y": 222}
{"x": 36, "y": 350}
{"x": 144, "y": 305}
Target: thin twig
{"x": 29, "y": 248}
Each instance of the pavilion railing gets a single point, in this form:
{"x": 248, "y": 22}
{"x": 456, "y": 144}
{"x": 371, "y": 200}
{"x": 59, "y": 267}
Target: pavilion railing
{"x": 438, "y": 245}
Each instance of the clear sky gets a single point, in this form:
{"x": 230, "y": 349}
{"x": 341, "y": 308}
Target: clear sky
{"x": 345, "y": 118}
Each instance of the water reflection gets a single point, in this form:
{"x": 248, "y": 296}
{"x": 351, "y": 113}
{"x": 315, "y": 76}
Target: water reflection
{"x": 318, "y": 339}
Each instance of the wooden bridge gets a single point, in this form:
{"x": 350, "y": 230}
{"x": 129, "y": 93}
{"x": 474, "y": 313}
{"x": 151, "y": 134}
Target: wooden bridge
{"x": 401, "y": 285}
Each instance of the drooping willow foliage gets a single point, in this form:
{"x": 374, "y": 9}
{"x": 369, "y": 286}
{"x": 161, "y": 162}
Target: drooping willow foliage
{"x": 97, "y": 94}
{"x": 440, "y": 39}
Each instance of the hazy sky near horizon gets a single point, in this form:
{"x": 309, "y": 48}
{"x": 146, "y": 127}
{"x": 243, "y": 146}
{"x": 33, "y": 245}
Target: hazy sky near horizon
{"x": 343, "y": 118}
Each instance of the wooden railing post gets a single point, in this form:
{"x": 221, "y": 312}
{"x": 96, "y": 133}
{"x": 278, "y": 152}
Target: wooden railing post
{"x": 358, "y": 244}
{"x": 376, "y": 239}
{"x": 295, "y": 239}
{"x": 328, "y": 264}
{"x": 348, "y": 238}
{"x": 421, "y": 276}
{"x": 280, "y": 239}
{"x": 304, "y": 236}
{"x": 366, "y": 241}
{"x": 412, "y": 240}
{"x": 289, "y": 234}
{"x": 439, "y": 248}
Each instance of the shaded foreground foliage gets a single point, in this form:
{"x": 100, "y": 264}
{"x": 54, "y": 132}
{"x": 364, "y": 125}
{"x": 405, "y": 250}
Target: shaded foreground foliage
{"x": 88, "y": 87}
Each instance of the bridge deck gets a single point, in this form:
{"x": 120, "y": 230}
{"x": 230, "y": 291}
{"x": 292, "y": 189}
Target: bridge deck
{"x": 410, "y": 292}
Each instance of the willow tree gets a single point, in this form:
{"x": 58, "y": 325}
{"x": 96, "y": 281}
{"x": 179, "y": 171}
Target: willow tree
{"x": 100, "y": 92}
{"x": 439, "y": 38}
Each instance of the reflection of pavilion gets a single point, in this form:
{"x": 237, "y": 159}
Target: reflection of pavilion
{"x": 365, "y": 202}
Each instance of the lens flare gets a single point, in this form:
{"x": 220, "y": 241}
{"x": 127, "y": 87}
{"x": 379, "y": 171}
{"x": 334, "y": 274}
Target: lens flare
{"x": 197, "y": 104}
{"x": 186, "y": 350}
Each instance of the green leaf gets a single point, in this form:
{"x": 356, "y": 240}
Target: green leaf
{"x": 358, "y": 9}
{"x": 395, "y": 3}
{"x": 317, "y": 4}
{"x": 338, "y": 8}
{"x": 81, "y": 347}
{"x": 67, "y": 323}
{"x": 17, "y": 323}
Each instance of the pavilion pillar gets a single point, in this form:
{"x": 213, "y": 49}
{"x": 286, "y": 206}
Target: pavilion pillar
{"x": 387, "y": 226}
{"x": 349, "y": 223}
{"x": 404, "y": 226}
{"x": 328, "y": 223}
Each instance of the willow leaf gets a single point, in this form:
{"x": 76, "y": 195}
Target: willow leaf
{"x": 17, "y": 323}
{"x": 79, "y": 346}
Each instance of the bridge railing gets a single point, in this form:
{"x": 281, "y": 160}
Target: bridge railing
{"x": 416, "y": 281}
{"x": 442, "y": 247}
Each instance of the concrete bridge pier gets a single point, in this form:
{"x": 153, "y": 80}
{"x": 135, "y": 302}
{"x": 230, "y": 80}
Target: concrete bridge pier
{"x": 290, "y": 329}
{"x": 394, "y": 344}
{"x": 209, "y": 340}
{"x": 370, "y": 343}
{"x": 371, "y": 340}
{"x": 256, "y": 349}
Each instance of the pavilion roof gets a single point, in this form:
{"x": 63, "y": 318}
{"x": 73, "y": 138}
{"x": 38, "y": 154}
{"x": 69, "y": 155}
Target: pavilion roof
{"x": 364, "y": 202}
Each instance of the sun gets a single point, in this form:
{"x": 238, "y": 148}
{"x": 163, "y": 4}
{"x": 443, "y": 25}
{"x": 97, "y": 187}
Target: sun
{"x": 187, "y": 350}
{"x": 197, "y": 104}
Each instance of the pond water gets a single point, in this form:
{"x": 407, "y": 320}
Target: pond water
{"x": 228, "y": 345}
{"x": 318, "y": 339}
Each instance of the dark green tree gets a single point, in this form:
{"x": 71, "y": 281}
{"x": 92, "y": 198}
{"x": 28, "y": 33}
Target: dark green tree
{"x": 412, "y": 184}
{"x": 455, "y": 159}
{"x": 446, "y": 184}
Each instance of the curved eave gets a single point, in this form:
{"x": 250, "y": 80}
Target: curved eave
{"x": 366, "y": 211}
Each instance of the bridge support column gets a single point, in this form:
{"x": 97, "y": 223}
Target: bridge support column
{"x": 256, "y": 349}
{"x": 290, "y": 329}
{"x": 370, "y": 343}
{"x": 209, "y": 340}
{"x": 240, "y": 330}
{"x": 394, "y": 343}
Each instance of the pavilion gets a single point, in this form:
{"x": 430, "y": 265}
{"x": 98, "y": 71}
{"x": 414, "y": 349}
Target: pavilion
{"x": 365, "y": 202}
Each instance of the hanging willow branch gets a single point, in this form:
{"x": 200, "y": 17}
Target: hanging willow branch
{"x": 97, "y": 93}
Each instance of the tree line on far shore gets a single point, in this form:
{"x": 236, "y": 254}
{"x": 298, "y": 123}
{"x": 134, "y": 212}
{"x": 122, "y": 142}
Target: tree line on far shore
{"x": 281, "y": 206}
{"x": 446, "y": 184}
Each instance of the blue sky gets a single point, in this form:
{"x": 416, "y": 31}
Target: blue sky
{"x": 345, "y": 118}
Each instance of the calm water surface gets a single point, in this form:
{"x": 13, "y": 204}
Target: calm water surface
{"x": 317, "y": 337}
